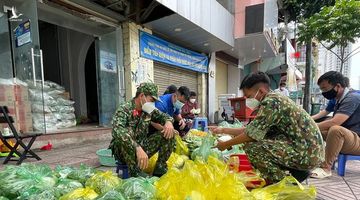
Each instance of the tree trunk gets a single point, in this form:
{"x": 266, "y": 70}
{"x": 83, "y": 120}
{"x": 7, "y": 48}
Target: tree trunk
{"x": 341, "y": 66}
{"x": 306, "y": 102}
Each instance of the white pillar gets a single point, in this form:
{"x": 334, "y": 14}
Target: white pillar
{"x": 212, "y": 87}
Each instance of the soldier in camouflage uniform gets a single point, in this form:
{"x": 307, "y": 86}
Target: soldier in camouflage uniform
{"x": 283, "y": 137}
{"x": 130, "y": 143}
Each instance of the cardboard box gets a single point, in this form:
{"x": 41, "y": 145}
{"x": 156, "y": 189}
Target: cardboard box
{"x": 7, "y": 93}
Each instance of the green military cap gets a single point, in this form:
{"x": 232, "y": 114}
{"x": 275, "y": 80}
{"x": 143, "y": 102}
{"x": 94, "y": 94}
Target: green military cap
{"x": 148, "y": 89}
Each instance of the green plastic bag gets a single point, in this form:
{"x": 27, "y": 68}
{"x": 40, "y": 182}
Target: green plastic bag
{"x": 45, "y": 195}
{"x": 26, "y": 179}
{"x": 80, "y": 194}
{"x": 236, "y": 124}
{"x": 206, "y": 149}
{"x": 112, "y": 195}
{"x": 139, "y": 188}
{"x": 3, "y": 198}
{"x": 287, "y": 189}
{"x": 102, "y": 182}
{"x": 80, "y": 174}
{"x": 65, "y": 186}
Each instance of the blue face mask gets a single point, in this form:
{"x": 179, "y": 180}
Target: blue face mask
{"x": 178, "y": 105}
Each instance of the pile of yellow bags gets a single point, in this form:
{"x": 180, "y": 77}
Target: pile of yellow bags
{"x": 201, "y": 181}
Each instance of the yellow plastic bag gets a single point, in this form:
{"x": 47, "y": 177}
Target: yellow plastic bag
{"x": 181, "y": 147}
{"x": 176, "y": 160}
{"x": 287, "y": 189}
{"x": 200, "y": 180}
{"x": 152, "y": 163}
{"x": 80, "y": 194}
{"x": 251, "y": 179}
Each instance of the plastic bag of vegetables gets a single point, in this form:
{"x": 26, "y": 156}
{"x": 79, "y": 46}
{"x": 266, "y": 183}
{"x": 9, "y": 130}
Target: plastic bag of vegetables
{"x": 139, "y": 188}
{"x": 65, "y": 186}
{"x": 102, "y": 182}
{"x": 111, "y": 195}
{"x": 176, "y": 160}
{"x": 80, "y": 194}
{"x": 205, "y": 149}
{"x": 201, "y": 181}
{"x": 27, "y": 178}
{"x": 34, "y": 195}
{"x": 181, "y": 147}
{"x": 80, "y": 174}
{"x": 236, "y": 124}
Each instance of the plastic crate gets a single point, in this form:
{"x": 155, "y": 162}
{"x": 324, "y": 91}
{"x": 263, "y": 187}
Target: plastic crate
{"x": 106, "y": 158}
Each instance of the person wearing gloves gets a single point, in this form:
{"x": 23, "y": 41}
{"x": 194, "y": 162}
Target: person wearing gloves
{"x": 282, "y": 137}
{"x": 171, "y": 104}
{"x": 130, "y": 142}
{"x": 190, "y": 108}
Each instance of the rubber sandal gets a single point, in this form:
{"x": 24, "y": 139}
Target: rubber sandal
{"x": 320, "y": 173}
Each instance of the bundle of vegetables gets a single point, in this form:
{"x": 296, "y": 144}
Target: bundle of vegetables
{"x": 26, "y": 180}
{"x": 194, "y": 138}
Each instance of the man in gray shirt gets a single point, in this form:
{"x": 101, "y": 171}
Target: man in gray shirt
{"x": 341, "y": 132}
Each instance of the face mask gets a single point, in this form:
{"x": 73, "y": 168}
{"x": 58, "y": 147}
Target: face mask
{"x": 253, "y": 103}
{"x": 148, "y": 107}
{"x": 331, "y": 94}
{"x": 178, "y": 105}
{"x": 192, "y": 100}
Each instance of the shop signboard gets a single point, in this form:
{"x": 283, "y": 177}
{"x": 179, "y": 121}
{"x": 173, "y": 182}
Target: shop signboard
{"x": 155, "y": 48}
{"x": 23, "y": 34}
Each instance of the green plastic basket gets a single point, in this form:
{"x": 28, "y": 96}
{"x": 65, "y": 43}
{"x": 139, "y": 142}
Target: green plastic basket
{"x": 106, "y": 158}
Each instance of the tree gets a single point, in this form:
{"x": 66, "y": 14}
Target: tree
{"x": 333, "y": 26}
{"x": 298, "y": 11}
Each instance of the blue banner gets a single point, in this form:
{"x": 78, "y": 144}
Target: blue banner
{"x": 154, "y": 48}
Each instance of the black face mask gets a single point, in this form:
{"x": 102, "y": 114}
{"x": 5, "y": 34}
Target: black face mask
{"x": 331, "y": 94}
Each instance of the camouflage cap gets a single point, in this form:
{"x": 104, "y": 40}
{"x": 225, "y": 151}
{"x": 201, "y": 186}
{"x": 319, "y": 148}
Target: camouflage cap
{"x": 149, "y": 89}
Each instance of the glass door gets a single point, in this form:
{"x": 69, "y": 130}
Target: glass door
{"x": 109, "y": 65}
{"x": 27, "y": 64}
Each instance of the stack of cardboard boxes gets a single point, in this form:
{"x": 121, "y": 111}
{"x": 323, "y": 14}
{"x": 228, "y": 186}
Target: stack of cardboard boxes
{"x": 16, "y": 98}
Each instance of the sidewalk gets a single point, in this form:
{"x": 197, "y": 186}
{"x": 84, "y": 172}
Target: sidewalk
{"x": 333, "y": 188}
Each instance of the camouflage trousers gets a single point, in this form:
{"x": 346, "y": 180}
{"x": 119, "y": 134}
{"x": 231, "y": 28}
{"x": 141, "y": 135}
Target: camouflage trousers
{"x": 273, "y": 157}
{"x": 126, "y": 153}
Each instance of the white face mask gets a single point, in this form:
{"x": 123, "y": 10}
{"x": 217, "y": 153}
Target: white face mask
{"x": 148, "y": 107}
{"x": 192, "y": 100}
{"x": 178, "y": 104}
{"x": 253, "y": 103}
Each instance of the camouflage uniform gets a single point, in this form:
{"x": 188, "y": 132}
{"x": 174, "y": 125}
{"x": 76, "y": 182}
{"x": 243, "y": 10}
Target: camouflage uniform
{"x": 130, "y": 130}
{"x": 286, "y": 136}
